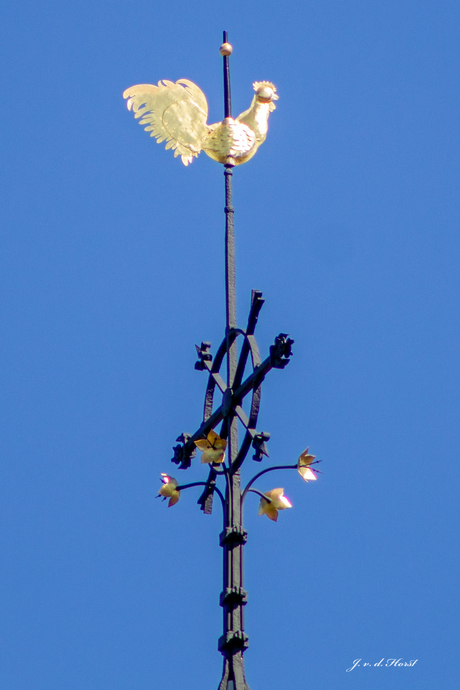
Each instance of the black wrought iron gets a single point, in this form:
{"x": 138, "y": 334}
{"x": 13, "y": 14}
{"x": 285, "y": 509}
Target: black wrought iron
{"x": 227, "y": 92}
{"x": 234, "y": 641}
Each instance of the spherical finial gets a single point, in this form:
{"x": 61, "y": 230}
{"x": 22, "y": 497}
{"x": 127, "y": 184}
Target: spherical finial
{"x": 226, "y": 49}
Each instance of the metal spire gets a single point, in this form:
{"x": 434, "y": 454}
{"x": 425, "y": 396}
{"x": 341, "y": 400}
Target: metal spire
{"x": 176, "y": 112}
{"x": 233, "y": 598}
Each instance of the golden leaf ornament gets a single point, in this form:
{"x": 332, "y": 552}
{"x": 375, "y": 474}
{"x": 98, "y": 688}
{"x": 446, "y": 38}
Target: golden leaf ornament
{"x": 169, "y": 489}
{"x": 213, "y": 448}
{"x": 303, "y": 466}
{"x": 277, "y": 501}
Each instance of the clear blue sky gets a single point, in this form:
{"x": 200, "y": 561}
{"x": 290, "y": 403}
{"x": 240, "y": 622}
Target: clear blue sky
{"x": 111, "y": 271}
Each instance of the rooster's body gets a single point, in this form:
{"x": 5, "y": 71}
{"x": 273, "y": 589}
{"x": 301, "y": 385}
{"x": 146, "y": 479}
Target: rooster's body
{"x": 177, "y": 112}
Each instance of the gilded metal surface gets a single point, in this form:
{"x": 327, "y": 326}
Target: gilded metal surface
{"x": 176, "y": 112}
{"x": 278, "y": 501}
{"x": 213, "y": 448}
{"x": 304, "y": 466}
{"x": 226, "y": 49}
{"x": 169, "y": 489}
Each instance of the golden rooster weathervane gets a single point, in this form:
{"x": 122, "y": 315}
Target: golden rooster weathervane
{"x": 176, "y": 112}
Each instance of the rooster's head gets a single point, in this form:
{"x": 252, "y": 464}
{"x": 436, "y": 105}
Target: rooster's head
{"x": 266, "y": 93}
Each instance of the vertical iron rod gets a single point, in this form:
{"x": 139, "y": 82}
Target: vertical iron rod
{"x": 227, "y": 92}
{"x": 230, "y": 283}
{"x": 232, "y": 648}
